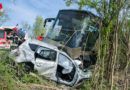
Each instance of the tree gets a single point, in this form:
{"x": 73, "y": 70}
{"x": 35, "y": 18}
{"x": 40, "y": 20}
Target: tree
{"x": 38, "y": 26}
{"x": 113, "y": 43}
{"x": 25, "y": 26}
{"x": 93, "y": 4}
{"x": 3, "y": 18}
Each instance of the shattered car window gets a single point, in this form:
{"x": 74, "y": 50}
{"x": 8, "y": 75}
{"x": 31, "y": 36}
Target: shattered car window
{"x": 65, "y": 69}
{"x": 47, "y": 54}
{"x": 65, "y": 62}
{"x": 33, "y": 46}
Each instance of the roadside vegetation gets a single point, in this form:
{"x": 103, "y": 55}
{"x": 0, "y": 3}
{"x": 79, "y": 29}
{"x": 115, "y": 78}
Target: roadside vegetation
{"x": 13, "y": 76}
{"x": 38, "y": 26}
{"x": 113, "y": 48}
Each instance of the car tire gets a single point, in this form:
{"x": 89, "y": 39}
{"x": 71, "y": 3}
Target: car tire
{"x": 27, "y": 68}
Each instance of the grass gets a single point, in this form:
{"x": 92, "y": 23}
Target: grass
{"x": 12, "y": 75}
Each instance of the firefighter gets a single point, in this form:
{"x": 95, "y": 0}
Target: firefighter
{"x": 40, "y": 38}
{"x": 9, "y": 38}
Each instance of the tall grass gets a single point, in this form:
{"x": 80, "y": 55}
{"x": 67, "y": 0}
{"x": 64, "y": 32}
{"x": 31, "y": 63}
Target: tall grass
{"x": 12, "y": 74}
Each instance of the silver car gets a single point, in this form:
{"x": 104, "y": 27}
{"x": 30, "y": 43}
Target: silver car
{"x": 49, "y": 61}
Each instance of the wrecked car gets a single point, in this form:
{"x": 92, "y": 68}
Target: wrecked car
{"x": 49, "y": 61}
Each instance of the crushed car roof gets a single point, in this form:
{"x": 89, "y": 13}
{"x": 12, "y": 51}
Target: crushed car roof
{"x": 41, "y": 43}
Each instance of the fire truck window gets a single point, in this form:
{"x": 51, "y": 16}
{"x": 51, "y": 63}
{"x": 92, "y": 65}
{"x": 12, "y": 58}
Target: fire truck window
{"x": 2, "y": 34}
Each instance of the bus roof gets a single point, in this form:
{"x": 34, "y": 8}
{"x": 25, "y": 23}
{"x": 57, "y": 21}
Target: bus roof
{"x": 79, "y": 11}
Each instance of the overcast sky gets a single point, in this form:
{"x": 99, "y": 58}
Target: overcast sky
{"x": 26, "y": 10}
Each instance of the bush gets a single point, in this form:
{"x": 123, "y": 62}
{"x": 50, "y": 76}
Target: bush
{"x": 12, "y": 74}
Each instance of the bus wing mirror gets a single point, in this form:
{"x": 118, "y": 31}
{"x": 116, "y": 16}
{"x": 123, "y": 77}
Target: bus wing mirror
{"x": 48, "y": 20}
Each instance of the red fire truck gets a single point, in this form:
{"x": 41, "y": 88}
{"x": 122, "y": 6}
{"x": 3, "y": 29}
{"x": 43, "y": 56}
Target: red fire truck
{"x": 3, "y": 39}
{"x": 7, "y": 35}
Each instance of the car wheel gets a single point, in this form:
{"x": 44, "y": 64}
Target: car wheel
{"x": 27, "y": 68}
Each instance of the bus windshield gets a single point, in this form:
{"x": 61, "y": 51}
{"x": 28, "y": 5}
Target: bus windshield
{"x": 71, "y": 27}
{"x": 70, "y": 20}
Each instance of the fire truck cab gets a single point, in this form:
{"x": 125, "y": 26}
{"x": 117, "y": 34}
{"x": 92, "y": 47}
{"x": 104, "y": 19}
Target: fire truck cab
{"x": 8, "y": 37}
{"x": 3, "y": 39}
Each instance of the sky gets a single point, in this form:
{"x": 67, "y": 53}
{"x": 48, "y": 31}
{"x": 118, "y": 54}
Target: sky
{"x": 25, "y": 11}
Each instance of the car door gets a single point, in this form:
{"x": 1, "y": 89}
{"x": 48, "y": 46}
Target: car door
{"x": 66, "y": 70}
{"x": 45, "y": 62}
